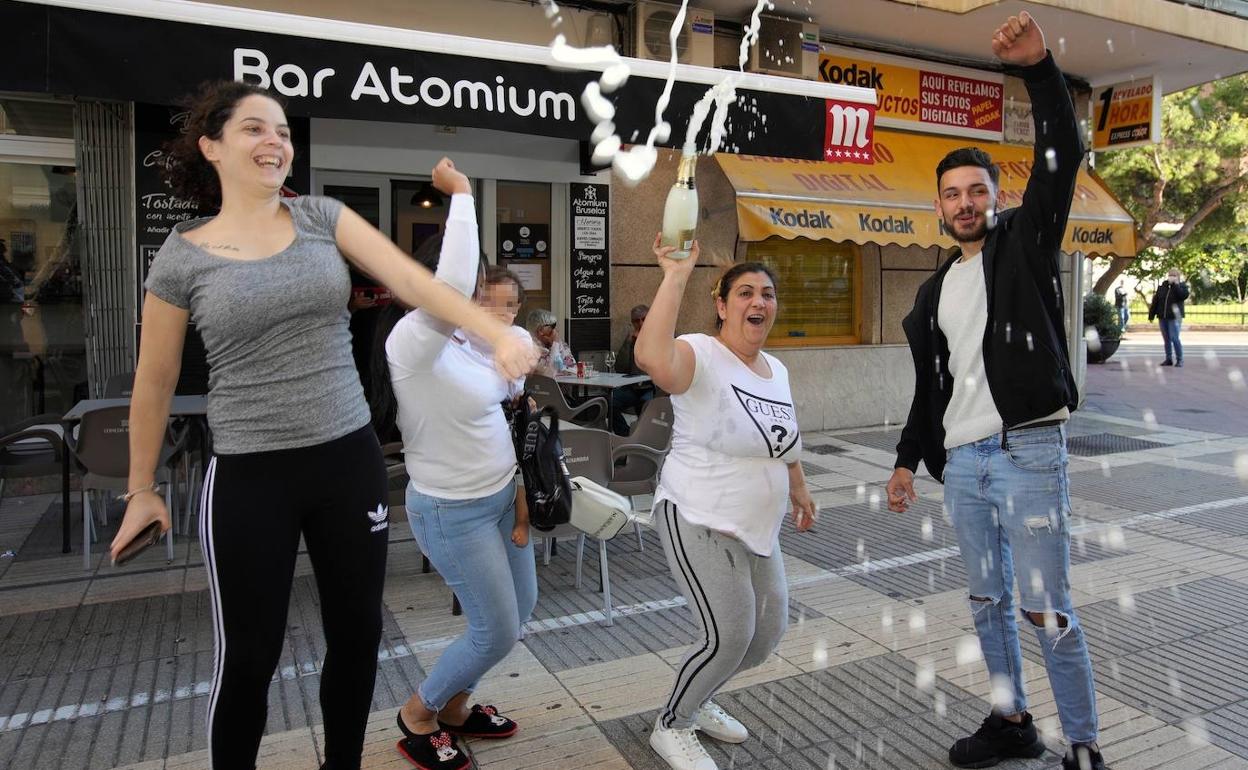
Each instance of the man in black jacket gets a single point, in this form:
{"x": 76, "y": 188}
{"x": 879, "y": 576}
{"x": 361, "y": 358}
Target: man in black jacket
{"x": 993, "y": 390}
{"x": 1167, "y": 307}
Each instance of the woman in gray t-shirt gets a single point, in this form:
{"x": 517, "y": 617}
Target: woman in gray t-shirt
{"x": 266, "y": 283}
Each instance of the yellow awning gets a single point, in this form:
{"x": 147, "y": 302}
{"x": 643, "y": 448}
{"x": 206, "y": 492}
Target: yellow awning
{"x": 892, "y": 200}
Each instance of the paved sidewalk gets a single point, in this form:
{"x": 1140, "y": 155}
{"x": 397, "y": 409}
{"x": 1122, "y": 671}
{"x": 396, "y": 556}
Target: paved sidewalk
{"x": 111, "y": 668}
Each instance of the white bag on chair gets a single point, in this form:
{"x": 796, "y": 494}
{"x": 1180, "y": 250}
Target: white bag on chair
{"x": 597, "y": 511}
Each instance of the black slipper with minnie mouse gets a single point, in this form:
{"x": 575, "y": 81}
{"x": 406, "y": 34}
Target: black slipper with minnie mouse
{"x": 482, "y": 722}
{"x": 434, "y": 751}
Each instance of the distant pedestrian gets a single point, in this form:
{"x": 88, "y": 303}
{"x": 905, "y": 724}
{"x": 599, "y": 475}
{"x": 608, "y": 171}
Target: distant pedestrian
{"x": 1124, "y": 306}
{"x": 1167, "y": 308}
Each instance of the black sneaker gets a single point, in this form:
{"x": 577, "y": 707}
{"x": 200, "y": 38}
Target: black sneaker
{"x": 482, "y": 722}
{"x": 1081, "y": 756}
{"x": 1178, "y": 363}
{"x": 997, "y": 739}
{"x": 1167, "y": 362}
{"x": 435, "y": 751}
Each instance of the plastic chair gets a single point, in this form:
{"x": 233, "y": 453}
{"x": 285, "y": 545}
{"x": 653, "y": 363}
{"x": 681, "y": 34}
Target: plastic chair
{"x": 591, "y": 413}
{"x": 32, "y": 447}
{"x": 589, "y": 452}
{"x": 640, "y": 455}
{"x": 102, "y": 454}
{"x": 119, "y": 386}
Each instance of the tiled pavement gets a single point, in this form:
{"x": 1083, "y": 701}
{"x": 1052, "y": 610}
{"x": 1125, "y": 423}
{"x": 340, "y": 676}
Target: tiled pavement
{"x": 111, "y": 668}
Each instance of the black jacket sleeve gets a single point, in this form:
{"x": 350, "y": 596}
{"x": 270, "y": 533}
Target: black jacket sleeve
{"x": 910, "y": 447}
{"x": 1057, "y": 156}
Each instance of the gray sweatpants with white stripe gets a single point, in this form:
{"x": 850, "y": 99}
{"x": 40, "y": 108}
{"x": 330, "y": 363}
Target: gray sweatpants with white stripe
{"x": 739, "y": 598}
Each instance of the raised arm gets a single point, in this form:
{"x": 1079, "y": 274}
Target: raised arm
{"x": 160, "y": 363}
{"x": 374, "y": 253}
{"x": 1058, "y": 152}
{"x": 420, "y": 335}
{"x": 668, "y": 361}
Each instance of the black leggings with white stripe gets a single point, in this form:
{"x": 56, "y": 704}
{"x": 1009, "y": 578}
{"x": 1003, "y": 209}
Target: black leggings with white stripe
{"x": 255, "y": 507}
{"x": 740, "y": 600}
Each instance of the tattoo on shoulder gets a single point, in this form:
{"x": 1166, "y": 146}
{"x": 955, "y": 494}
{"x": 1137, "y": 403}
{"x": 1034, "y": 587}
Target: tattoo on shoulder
{"x": 218, "y": 246}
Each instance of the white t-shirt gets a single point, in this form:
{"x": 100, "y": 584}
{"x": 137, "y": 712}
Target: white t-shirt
{"x": 455, "y": 440}
{"x": 733, "y": 435}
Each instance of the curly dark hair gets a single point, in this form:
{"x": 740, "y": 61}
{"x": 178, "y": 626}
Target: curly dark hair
{"x": 186, "y": 170}
{"x": 723, "y": 287}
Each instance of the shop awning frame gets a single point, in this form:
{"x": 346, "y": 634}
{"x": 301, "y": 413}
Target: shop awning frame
{"x": 894, "y": 202}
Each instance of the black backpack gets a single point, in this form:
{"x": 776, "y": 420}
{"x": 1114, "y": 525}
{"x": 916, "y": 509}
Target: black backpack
{"x": 547, "y": 485}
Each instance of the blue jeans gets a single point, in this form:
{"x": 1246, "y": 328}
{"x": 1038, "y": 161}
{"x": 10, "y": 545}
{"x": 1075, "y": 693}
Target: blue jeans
{"x": 1124, "y": 316}
{"x": 1011, "y": 511}
{"x": 469, "y": 543}
{"x": 626, "y": 398}
{"x": 1170, "y": 337}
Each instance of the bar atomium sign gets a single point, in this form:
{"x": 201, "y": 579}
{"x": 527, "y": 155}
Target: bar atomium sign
{"x": 111, "y": 56}
{"x": 591, "y": 269}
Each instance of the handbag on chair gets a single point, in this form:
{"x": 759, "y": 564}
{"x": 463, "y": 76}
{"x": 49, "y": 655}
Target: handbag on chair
{"x": 597, "y": 511}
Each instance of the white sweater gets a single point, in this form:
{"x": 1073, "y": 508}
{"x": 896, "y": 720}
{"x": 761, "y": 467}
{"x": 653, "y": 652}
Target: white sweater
{"x": 455, "y": 439}
{"x": 963, "y": 316}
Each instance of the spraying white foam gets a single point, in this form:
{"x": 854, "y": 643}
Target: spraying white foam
{"x": 635, "y": 164}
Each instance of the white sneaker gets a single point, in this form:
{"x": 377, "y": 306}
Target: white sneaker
{"x": 719, "y": 724}
{"x": 680, "y": 749}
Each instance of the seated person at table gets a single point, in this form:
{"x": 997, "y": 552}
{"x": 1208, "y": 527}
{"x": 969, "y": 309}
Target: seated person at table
{"x": 555, "y": 357}
{"x": 629, "y": 396}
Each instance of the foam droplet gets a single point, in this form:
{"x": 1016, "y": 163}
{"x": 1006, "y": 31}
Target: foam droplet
{"x": 968, "y": 651}
{"x": 634, "y": 164}
{"x": 598, "y": 107}
{"x": 925, "y": 676}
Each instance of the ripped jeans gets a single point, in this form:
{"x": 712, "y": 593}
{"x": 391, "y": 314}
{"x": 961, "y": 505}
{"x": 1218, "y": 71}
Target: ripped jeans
{"x": 1011, "y": 511}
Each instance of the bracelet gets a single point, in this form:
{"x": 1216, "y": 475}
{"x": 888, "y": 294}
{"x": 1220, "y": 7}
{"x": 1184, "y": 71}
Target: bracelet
{"x": 155, "y": 487}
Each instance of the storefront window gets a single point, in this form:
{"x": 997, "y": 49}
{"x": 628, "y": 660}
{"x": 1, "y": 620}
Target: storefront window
{"x": 36, "y": 118}
{"x": 42, "y": 359}
{"x": 820, "y": 290}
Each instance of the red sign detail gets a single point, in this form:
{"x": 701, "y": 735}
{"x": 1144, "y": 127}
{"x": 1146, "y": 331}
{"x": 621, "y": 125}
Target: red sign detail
{"x": 848, "y": 132}
{"x": 951, "y": 100}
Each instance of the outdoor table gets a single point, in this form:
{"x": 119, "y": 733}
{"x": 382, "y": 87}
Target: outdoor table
{"x": 603, "y": 380}
{"x": 180, "y": 406}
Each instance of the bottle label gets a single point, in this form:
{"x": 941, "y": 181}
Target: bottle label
{"x": 684, "y": 239}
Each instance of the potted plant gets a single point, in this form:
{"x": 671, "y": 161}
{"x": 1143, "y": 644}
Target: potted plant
{"x": 1101, "y": 329}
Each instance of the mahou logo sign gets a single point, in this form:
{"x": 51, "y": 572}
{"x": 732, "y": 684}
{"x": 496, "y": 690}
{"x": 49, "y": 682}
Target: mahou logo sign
{"x": 849, "y": 132}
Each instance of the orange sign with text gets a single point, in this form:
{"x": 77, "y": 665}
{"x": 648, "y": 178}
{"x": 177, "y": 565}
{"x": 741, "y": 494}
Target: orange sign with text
{"x": 921, "y": 95}
{"x": 1126, "y": 114}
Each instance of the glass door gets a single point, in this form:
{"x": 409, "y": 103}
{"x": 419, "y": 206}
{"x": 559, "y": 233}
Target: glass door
{"x": 523, "y": 240}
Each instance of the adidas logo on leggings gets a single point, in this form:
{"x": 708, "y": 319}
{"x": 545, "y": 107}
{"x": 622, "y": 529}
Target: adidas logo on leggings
{"x": 379, "y": 518}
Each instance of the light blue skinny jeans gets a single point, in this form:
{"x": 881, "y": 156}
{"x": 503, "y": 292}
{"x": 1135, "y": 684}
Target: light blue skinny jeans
{"x": 469, "y": 543}
{"x": 1011, "y": 511}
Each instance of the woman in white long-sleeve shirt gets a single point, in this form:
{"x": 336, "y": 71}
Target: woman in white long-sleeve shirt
{"x": 461, "y": 498}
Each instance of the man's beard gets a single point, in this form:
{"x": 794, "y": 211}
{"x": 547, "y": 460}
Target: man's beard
{"x": 978, "y": 232}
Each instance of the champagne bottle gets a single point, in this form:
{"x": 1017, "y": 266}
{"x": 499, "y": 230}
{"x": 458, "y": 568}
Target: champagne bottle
{"x": 680, "y": 213}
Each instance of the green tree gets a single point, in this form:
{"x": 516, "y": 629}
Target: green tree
{"x": 1196, "y": 177}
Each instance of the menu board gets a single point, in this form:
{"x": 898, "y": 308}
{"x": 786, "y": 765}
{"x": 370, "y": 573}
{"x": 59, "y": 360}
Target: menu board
{"x": 590, "y": 265}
